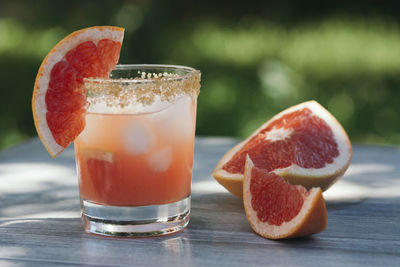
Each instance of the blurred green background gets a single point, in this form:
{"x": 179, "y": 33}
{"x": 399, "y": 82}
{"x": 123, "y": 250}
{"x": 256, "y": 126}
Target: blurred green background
{"x": 256, "y": 57}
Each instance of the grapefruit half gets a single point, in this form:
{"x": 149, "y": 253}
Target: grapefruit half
{"x": 276, "y": 209}
{"x": 59, "y": 96}
{"x": 304, "y": 144}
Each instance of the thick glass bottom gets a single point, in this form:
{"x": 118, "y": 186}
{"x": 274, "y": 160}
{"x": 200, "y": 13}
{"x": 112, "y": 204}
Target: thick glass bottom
{"x": 135, "y": 221}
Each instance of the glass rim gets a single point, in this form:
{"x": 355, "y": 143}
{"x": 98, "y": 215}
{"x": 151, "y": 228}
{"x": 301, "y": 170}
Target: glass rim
{"x": 144, "y": 84}
{"x": 189, "y": 72}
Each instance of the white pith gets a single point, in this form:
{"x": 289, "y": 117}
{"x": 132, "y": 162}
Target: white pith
{"x": 330, "y": 169}
{"x": 277, "y": 134}
{"x": 98, "y": 155}
{"x": 91, "y": 34}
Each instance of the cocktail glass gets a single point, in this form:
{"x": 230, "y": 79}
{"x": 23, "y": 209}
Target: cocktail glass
{"x": 134, "y": 158}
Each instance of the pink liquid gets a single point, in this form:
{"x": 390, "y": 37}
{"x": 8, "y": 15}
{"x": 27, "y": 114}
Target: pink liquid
{"x": 137, "y": 159}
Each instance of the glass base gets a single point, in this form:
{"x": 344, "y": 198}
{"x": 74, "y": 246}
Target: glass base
{"x": 135, "y": 221}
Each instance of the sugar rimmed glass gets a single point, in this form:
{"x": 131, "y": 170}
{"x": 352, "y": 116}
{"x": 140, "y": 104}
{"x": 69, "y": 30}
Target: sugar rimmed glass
{"x": 134, "y": 158}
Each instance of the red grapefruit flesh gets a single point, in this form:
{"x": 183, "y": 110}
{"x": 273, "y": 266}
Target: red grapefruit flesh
{"x": 276, "y": 209}
{"x": 59, "y": 96}
{"x": 304, "y": 144}
{"x": 98, "y": 172}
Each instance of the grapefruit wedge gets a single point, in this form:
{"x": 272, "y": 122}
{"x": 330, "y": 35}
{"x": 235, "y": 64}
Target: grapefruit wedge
{"x": 304, "y": 144}
{"x": 276, "y": 209}
{"x": 59, "y": 96}
{"x": 96, "y": 170}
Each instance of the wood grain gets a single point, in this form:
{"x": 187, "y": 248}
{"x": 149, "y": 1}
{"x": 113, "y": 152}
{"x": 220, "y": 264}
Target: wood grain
{"x": 40, "y": 223}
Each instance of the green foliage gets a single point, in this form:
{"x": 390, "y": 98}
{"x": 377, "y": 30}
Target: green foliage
{"x": 252, "y": 65}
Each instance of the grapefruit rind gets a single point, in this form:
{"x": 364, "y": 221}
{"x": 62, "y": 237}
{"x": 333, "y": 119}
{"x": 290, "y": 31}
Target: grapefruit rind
{"x": 92, "y": 153}
{"x": 56, "y": 54}
{"x": 311, "y": 219}
{"x": 313, "y": 177}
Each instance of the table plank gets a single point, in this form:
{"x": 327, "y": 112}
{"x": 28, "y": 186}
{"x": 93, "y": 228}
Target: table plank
{"x": 40, "y": 223}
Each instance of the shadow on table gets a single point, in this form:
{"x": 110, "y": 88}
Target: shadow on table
{"x": 215, "y": 218}
{"x": 50, "y": 200}
{"x": 218, "y": 211}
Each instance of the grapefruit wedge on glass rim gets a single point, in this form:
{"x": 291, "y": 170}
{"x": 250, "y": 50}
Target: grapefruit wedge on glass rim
{"x": 304, "y": 144}
{"x": 276, "y": 209}
{"x": 59, "y": 96}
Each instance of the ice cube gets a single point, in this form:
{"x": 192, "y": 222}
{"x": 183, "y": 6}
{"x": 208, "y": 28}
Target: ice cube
{"x": 176, "y": 121}
{"x": 161, "y": 159}
{"x": 88, "y": 135}
{"x": 137, "y": 138}
{"x": 183, "y": 114}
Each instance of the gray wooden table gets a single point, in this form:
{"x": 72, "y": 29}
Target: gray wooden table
{"x": 40, "y": 219}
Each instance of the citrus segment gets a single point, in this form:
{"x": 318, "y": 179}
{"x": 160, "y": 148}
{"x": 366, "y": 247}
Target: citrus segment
{"x": 275, "y": 209}
{"x": 304, "y": 144}
{"x": 109, "y": 51}
{"x": 65, "y": 126}
{"x": 64, "y": 86}
{"x": 59, "y": 99}
{"x": 307, "y": 141}
{"x": 283, "y": 200}
{"x": 97, "y": 167}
